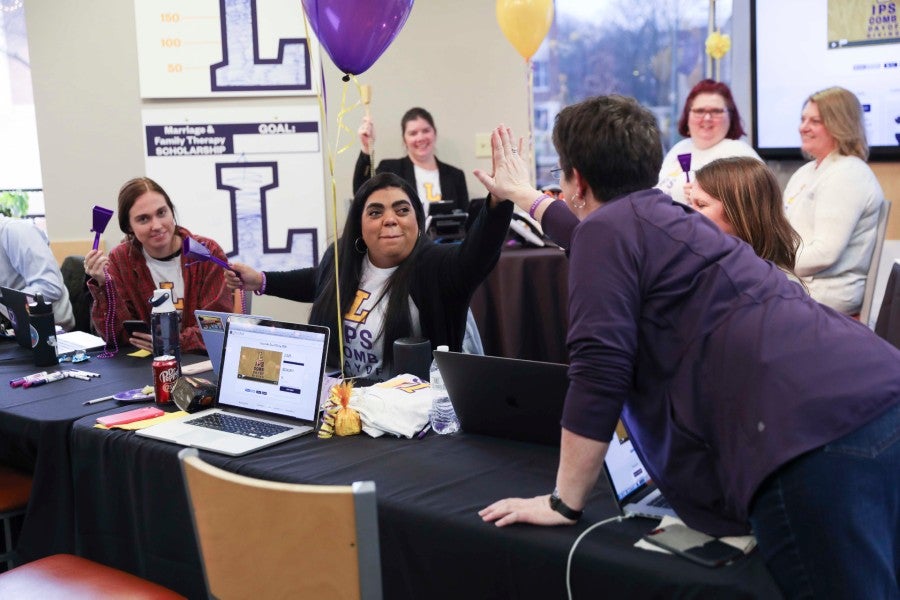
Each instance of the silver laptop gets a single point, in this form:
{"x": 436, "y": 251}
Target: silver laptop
{"x": 631, "y": 484}
{"x": 505, "y": 397}
{"x": 268, "y": 389}
{"x": 212, "y": 330}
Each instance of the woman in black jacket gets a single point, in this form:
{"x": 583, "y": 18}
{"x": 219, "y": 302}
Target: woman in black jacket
{"x": 432, "y": 179}
{"x": 393, "y": 281}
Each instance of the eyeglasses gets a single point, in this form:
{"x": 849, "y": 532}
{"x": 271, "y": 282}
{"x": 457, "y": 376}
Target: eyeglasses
{"x": 712, "y": 113}
{"x": 556, "y": 173}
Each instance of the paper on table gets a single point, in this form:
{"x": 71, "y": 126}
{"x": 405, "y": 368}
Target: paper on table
{"x": 146, "y": 422}
{"x": 744, "y": 543}
{"x": 200, "y": 367}
{"x": 77, "y": 340}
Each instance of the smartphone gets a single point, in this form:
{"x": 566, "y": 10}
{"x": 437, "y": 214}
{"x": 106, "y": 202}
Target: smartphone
{"x": 131, "y": 326}
{"x": 693, "y": 545}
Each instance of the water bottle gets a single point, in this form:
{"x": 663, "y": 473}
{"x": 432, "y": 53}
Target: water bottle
{"x": 443, "y": 417}
{"x": 43, "y": 332}
{"x": 164, "y": 326}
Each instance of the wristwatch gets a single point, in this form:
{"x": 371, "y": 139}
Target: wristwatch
{"x": 562, "y": 508}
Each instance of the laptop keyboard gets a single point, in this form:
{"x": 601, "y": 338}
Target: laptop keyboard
{"x": 238, "y": 425}
{"x": 659, "y": 502}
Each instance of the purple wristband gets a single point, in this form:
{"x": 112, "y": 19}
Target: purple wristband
{"x": 536, "y": 203}
{"x": 262, "y": 288}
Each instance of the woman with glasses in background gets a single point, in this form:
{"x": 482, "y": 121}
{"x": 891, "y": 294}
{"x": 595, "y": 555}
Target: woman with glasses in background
{"x": 712, "y": 124}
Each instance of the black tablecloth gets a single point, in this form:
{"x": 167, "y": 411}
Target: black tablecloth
{"x": 132, "y": 513}
{"x": 34, "y": 436}
{"x": 119, "y": 499}
{"x": 521, "y": 308}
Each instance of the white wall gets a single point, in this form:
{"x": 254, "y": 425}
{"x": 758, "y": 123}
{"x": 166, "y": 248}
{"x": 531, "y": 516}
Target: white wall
{"x": 450, "y": 58}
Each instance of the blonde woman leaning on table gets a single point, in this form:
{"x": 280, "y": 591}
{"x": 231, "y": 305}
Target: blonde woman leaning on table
{"x": 749, "y": 403}
{"x": 833, "y": 201}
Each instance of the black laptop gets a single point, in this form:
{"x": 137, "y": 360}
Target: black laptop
{"x": 506, "y": 397}
{"x": 16, "y": 304}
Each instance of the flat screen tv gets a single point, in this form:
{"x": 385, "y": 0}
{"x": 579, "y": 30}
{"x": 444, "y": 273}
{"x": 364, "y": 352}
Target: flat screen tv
{"x": 802, "y": 46}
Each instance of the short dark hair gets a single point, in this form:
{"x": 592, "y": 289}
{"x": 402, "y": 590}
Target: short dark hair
{"x": 397, "y": 319}
{"x": 614, "y": 143}
{"x": 710, "y": 86}
{"x": 413, "y": 114}
{"x": 130, "y": 191}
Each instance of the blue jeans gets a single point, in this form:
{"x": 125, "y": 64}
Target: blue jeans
{"x": 828, "y": 522}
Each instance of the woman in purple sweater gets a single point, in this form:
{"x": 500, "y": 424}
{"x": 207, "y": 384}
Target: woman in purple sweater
{"x": 750, "y": 404}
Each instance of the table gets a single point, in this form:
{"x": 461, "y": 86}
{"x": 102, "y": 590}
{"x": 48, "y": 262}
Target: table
{"x": 522, "y": 307}
{"x": 34, "y": 436}
{"x": 433, "y": 544}
{"x": 120, "y": 500}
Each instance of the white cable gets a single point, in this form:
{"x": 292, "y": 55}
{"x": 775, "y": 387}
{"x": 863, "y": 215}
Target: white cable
{"x": 617, "y": 519}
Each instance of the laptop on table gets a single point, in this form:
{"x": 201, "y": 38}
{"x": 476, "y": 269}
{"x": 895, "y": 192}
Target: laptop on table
{"x": 506, "y": 397}
{"x": 212, "y": 330}
{"x": 268, "y": 389}
{"x": 635, "y": 492}
{"x": 16, "y": 303}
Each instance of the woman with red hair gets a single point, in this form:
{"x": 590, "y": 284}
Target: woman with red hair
{"x": 712, "y": 126}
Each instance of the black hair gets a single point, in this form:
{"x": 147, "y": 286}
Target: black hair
{"x": 397, "y": 318}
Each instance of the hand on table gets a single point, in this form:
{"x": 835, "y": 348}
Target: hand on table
{"x": 535, "y": 510}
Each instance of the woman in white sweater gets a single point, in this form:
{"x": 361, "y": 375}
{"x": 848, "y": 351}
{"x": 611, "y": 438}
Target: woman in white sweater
{"x": 833, "y": 201}
{"x": 712, "y": 124}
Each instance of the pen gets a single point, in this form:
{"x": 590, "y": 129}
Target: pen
{"x": 50, "y": 378}
{"x": 424, "y": 431}
{"x": 20, "y": 381}
{"x": 96, "y": 400}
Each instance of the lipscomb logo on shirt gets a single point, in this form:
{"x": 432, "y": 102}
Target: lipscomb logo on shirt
{"x": 359, "y": 339}
{"x": 168, "y": 285}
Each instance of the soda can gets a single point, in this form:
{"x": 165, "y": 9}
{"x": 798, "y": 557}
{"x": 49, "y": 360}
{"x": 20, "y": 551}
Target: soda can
{"x": 165, "y": 373}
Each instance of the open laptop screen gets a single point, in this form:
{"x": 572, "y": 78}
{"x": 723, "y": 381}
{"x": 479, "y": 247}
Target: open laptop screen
{"x": 625, "y": 468}
{"x": 272, "y": 367}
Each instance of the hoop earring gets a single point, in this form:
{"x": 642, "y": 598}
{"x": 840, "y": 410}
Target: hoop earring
{"x": 362, "y": 250}
{"x": 575, "y": 203}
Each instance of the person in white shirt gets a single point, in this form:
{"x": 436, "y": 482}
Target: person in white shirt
{"x": 834, "y": 200}
{"x": 28, "y": 265}
{"x": 712, "y": 124}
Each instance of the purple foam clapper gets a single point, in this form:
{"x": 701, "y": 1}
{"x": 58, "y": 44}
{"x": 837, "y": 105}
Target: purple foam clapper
{"x": 685, "y": 161}
{"x": 196, "y": 251}
{"x": 101, "y": 218}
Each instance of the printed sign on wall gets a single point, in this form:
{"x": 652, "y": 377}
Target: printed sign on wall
{"x": 220, "y": 48}
{"x": 250, "y": 178}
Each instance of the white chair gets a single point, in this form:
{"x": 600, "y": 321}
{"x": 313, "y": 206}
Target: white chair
{"x": 872, "y": 275}
{"x": 266, "y": 539}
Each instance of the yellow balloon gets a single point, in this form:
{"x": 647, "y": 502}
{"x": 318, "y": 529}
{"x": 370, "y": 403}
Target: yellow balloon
{"x": 525, "y": 23}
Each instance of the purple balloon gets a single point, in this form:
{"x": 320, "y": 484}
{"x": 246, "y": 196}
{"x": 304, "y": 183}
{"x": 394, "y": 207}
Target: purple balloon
{"x": 356, "y": 32}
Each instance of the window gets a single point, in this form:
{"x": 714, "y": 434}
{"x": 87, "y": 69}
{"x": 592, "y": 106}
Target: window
{"x": 653, "y": 51}
{"x": 20, "y": 167}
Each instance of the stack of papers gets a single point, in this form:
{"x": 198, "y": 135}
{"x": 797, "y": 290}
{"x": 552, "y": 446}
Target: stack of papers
{"x": 77, "y": 340}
